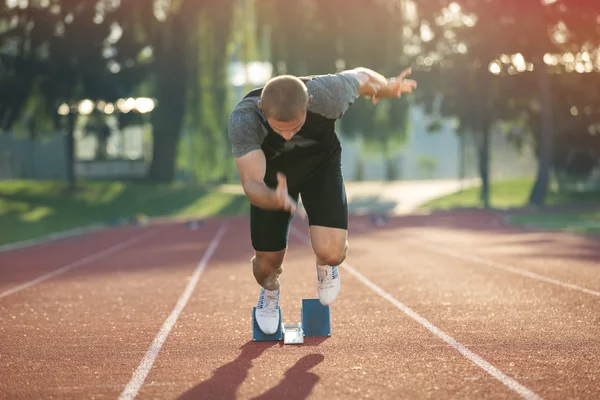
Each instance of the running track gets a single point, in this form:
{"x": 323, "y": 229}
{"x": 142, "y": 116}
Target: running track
{"x": 448, "y": 306}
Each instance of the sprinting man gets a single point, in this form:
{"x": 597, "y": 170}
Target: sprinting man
{"x": 285, "y": 146}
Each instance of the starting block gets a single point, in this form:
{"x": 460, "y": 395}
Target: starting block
{"x": 316, "y": 318}
{"x": 258, "y": 335}
{"x": 316, "y": 321}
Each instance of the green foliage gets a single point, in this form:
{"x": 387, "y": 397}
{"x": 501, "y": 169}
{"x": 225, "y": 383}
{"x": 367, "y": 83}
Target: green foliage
{"x": 320, "y": 37}
{"x": 489, "y": 61}
{"x": 206, "y": 120}
{"x": 57, "y": 52}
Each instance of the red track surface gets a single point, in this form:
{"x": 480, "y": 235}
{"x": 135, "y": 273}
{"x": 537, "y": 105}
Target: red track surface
{"x": 447, "y": 306}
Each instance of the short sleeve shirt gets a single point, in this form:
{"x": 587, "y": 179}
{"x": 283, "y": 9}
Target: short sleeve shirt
{"x": 332, "y": 95}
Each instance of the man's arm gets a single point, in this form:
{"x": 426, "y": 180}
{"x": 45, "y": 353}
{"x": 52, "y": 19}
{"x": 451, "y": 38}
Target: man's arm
{"x": 374, "y": 85}
{"x": 252, "y": 167}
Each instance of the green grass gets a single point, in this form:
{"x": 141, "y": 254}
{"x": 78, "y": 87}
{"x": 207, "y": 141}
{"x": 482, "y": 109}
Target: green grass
{"x": 515, "y": 193}
{"x": 505, "y": 194}
{"x": 33, "y": 209}
{"x": 580, "y": 222}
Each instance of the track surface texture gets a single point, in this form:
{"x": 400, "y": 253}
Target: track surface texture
{"x": 448, "y": 306}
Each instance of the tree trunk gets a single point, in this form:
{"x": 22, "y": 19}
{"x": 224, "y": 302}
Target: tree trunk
{"x": 162, "y": 168}
{"x": 391, "y": 168}
{"x": 167, "y": 118}
{"x": 70, "y": 153}
{"x": 540, "y": 188}
{"x": 484, "y": 164}
{"x": 461, "y": 160}
{"x": 360, "y": 169}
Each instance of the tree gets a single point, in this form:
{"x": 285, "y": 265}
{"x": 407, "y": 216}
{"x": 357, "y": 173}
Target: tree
{"x": 320, "y": 37}
{"x": 62, "y": 52}
{"x": 509, "y": 38}
{"x": 208, "y": 93}
{"x": 188, "y": 40}
{"x": 65, "y": 50}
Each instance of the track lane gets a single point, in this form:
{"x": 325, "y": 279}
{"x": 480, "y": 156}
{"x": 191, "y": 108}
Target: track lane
{"x": 375, "y": 350}
{"x": 23, "y": 265}
{"x": 571, "y": 258}
{"x": 544, "y": 335}
{"x": 81, "y": 336}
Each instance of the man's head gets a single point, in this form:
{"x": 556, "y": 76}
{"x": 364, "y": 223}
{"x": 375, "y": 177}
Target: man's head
{"x": 284, "y": 101}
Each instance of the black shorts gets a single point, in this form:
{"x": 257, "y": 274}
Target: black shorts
{"x": 324, "y": 198}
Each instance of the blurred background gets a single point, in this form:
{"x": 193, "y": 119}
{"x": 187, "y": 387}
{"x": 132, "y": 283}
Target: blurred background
{"x": 115, "y": 110}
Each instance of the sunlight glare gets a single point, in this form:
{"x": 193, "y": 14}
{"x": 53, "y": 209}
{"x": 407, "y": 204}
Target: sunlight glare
{"x": 568, "y": 57}
{"x": 85, "y": 107}
{"x": 454, "y": 8}
{"x": 64, "y": 109}
{"x": 426, "y": 33}
{"x": 495, "y": 68}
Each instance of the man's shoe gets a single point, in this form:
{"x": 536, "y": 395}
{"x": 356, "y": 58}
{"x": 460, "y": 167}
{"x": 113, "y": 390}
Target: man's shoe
{"x": 328, "y": 283}
{"x": 267, "y": 311}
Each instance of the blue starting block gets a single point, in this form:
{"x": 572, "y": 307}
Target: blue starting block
{"x": 316, "y": 321}
{"x": 316, "y": 318}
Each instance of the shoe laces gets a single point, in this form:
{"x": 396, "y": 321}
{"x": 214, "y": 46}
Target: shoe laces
{"x": 268, "y": 303}
{"x": 326, "y": 275}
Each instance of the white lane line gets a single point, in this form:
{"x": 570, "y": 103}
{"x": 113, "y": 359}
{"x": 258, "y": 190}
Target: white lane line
{"x": 76, "y": 264}
{"x": 142, "y": 371}
{"x": 474, "y": 358}
{"x": 505, "y": 267}
{"x": 53, "y": 237}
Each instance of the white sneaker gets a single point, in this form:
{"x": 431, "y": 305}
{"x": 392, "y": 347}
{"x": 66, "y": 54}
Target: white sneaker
{"x": 267, "y": 311}
{"x": 328, "y": 283}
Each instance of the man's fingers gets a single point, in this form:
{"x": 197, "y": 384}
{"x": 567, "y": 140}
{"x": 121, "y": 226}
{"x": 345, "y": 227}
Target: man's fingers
{"x": 281, "y": 181}
{"x": 404, "y": 74}
{"x": 406, "y": 86}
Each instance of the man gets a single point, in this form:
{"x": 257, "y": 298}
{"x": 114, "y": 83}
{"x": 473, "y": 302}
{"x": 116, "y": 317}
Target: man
{"x": 285, "y": 145}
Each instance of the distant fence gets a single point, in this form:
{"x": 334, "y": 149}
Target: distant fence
{"x": 45, "y": 159}
{"x": 42, "y": 159}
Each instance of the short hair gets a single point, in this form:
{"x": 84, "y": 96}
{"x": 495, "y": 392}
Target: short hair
{"x": 283, "y": 98}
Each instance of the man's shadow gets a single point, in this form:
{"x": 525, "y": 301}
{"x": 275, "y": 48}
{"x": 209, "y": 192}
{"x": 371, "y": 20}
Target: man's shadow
{"x": 298, "y": 383}
{"x": 226, "y": 380}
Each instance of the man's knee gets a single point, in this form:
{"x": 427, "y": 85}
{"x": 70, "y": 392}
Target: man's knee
{"x": 333, "y": 253}
{"x": 267, "y": 266}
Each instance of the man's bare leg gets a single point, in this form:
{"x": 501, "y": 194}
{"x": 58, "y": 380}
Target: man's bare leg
{"x": 330, "y": 246}
{"x": 267, "y": 266}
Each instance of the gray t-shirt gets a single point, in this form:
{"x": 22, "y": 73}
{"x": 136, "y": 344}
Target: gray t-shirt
{"x": 332, "y": 95}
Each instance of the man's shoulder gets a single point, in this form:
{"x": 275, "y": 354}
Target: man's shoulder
{"x": 245, "y": 125}
{"x": 246, "y": 112}
{"x": 332, "y": 94}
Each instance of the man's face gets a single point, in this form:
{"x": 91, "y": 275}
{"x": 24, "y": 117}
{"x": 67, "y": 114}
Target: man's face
{"x": 288, "y": 129}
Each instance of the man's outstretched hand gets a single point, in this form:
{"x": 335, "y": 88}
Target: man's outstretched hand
{"x": 396, "y": 86}
{"x": 285, "y": 200}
